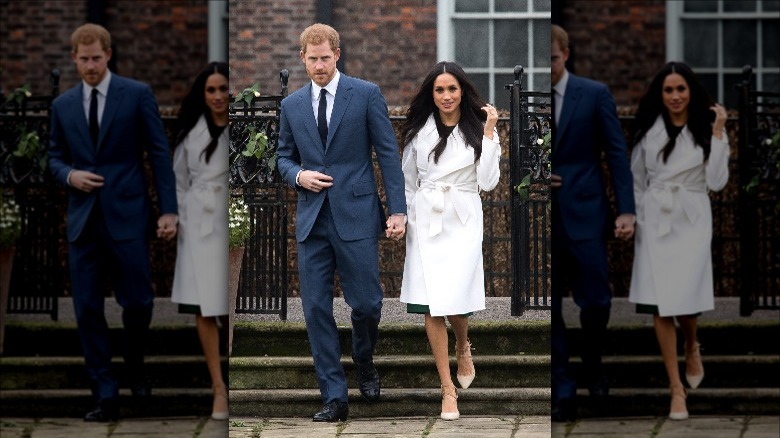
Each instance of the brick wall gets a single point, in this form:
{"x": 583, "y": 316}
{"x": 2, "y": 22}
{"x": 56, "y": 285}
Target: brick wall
{"x": 621, "y": 43}
{"x": 160, "y": 42}
{"x": 389, "y": 42}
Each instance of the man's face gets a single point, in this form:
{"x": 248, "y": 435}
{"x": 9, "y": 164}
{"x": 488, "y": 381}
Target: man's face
{"x": 91, "y": 62}
{"x": 320, "y": 62}
{"x": 558, "y": 58}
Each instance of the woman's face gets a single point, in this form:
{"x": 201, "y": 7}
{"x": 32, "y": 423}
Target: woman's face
{"x": 446, "y": 95}
{"x": 676, "y": 95}
{"x": 217, "y": 94}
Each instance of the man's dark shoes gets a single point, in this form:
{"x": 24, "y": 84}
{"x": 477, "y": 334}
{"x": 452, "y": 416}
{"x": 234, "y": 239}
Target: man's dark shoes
{"x": 333, "y": 411}
{"x": 564, "y": 412}
{"x": 368, "y": 381}
{"x": 106, "y": 411}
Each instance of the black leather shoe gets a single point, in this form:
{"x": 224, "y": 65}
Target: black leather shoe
{"x": 564, "y": 412}
{"x": 368, "y": 381}
{"x": 106, "y": 411}
{"x": 333, "y": 411}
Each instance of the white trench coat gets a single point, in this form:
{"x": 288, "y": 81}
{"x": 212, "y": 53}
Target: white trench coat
{"x": 201, "y": 271}
{"x": 672, "y": 257}
{"x": 443, "y": 265}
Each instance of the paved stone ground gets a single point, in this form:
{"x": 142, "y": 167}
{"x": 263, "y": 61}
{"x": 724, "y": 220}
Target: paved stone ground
{"x": 175, "y": 427}
{"x": 662, "y": 427}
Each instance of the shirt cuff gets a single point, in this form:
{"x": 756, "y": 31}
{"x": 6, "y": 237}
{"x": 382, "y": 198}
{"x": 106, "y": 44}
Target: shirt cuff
{"x": 67, "y": 179}
{"x": 297, "y": 176}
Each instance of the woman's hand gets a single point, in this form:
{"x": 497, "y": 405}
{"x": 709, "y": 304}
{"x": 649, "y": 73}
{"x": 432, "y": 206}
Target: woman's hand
{"x": 720, "y": 120}
{"x": 492, "y": 118}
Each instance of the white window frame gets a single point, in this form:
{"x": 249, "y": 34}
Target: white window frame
{"x": 218, "y": 30}
{"x": 446, "y": 41}
{"x": 675, "y": 14}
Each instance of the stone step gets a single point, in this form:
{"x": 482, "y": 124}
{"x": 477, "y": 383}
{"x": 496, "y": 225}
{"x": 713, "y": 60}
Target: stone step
{"x": 487, "y": 338}
{"x": 410, "y": 371}
{"x": 18, "y": 373}
{"x": 393, "y": 402}
{"x": 721, "y": 371}
{"x": 624, "y": 402}
{"x": 61, "y": 339}
{"x": 164, "y": 402}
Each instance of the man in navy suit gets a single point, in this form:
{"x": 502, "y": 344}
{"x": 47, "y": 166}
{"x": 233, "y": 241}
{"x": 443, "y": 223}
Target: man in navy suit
{"x": 99, "y": 131}
{"x": 586, "y": 125}
{"x": 327, "y": 133}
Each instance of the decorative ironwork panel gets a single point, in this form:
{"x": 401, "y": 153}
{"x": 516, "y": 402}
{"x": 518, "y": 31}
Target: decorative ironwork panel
{"x": 759, "y": 197}
{"x": 254, "y": 136}
{"x": 530, "y": 134}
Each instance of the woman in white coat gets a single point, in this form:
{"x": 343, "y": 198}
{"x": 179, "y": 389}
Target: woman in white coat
{"x": 201, "y": 166}
{"x": 680, "y": 152}
{"x": 451, "y": 152}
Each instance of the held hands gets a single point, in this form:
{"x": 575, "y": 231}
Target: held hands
{"x": 314, "y": 181}
{"x": 85, "y": 181}
{"x": 166, "y": 226}
{"x": 720, "y": 120}
{"x": 492, "y": 118}
{"x": 396, "y": 228}
{"x": 624, "y": 226}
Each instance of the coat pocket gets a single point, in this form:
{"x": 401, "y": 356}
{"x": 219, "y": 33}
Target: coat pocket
{"x": 364, "y": 188}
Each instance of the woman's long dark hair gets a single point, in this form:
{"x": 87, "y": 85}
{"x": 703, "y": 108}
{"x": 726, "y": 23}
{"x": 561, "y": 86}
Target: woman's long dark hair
{"x": 472, "y": 118}
{"x": 194, "y": 105}
{"x": 700, "y": 117}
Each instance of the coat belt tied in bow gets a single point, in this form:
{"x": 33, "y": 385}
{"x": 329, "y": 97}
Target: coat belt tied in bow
{"x": 206, "y": 194}
{"x": 666, "y": 193}
{"x": 435, "y": 191}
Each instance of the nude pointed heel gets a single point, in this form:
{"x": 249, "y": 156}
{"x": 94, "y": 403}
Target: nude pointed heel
{"x": 694, "y": 356}
{"x": 463, "y": 355}
{"x": 449, "y": 392}
{"x": 678, "y": 400}
{"x": 220, "y": 409}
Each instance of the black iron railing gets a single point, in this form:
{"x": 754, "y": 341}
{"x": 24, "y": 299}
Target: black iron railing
{"x": 759, "y": 200}
{"x": 530, "y": 121}
{"x": 262, "y": 286}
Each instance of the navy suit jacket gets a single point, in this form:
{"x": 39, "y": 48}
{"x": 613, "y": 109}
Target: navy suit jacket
{"x": 589, "y": 125}
{"x": 131, "y": 124}
{"x": 358, "y": 125}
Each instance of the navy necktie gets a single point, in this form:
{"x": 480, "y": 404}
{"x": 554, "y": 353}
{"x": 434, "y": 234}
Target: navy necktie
{"x": 322, "y": 120}
{"x": 94, "y": 129}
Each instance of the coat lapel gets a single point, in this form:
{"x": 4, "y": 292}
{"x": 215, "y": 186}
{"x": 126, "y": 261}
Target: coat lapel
{"x": 81, "y": 118}
{"x": 113, "y": 100}
{"x": 343, "y": 96}
{"x": 570, "y": 100}
{"x": 305, "y": 108}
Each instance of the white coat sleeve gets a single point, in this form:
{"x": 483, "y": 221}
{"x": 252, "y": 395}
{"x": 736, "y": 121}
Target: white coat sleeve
{"x": 182, "y": 172}
{"x": 716, "y": 169}
{"x": 488, "y": 169}
{"x": 639, "y": 172}
{"x": 409, "y": 167}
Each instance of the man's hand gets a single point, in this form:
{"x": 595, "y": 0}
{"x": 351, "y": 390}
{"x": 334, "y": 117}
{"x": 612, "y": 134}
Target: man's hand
{"x": 624, "y": 226}
{"x": 167, "y": 225}
{"x": 85, "y": 181}
{"x": 396, "y": 228}
{"x": 555, "y": 181}
{"x": 314, "y": 181}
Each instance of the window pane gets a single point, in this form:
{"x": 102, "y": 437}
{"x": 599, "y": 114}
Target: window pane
{"x": 502, "y": 94}
{"x": 480, "y": 81}
{"x": 512, "y": 5}
{"x": 739, "y": 6}
{"x": 542, "y": 43}
{"x": 471, "y": 5}
{"x": 771, "y": 83}
{"x": 710, "y": 83}
{"x": 771, "y": 55}
{"x": 739, "y": 43}
{"x": 701, "y": 6}
{"x": 542, "y": 82}
{"x": 699, "y": 43}
{"x": 471, "y": 43}
{"x": 771, "y": 5}
{"x": 511, "y": 40}
{"x": 542, "y": 5}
